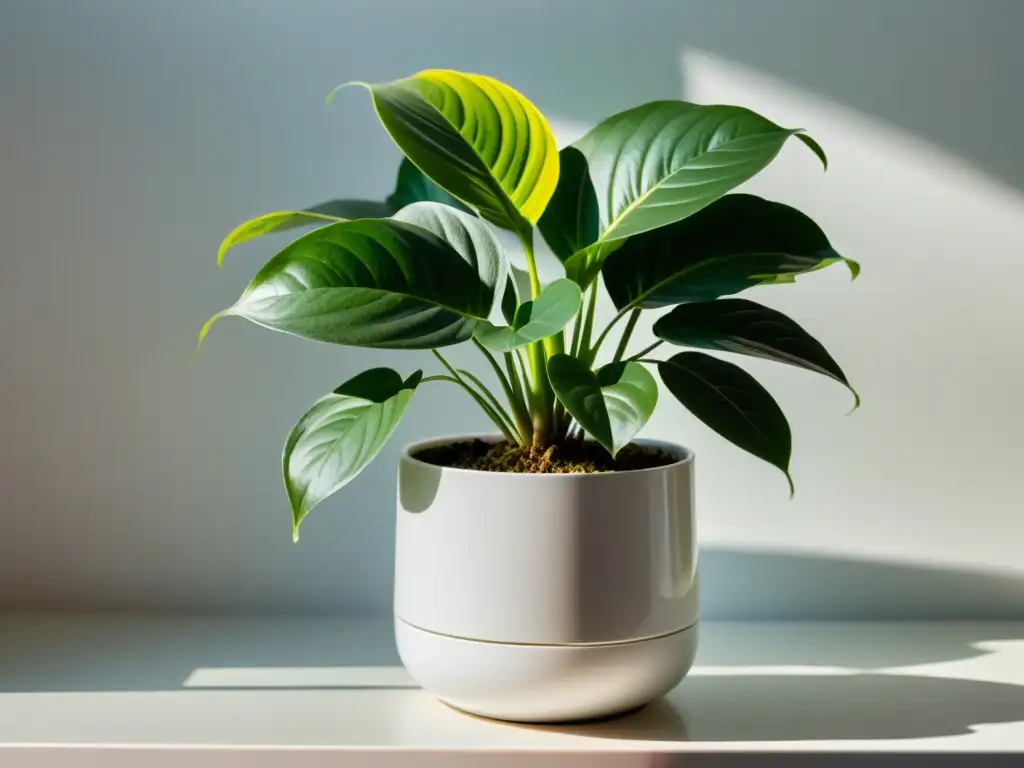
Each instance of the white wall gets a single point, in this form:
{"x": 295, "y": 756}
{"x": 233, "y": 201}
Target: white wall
{"x": 134, "y": 134}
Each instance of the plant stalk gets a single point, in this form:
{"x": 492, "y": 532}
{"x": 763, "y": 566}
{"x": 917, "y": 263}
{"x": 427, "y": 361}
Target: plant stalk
{"x": 620, "y": 350}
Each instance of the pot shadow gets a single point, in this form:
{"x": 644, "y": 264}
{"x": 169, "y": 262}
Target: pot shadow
{"x": 781, "y": 708}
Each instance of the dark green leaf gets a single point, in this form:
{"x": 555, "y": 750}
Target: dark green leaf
{"x": 738, "y": 325}
{"x": 370, "y": 283}
{"x": 413, "y": 187}
{"x": 517, "y": 291}
{"x": 472, "y": 238}
{"x": 661, "y": 162}
{"x": 611, "y": 405}
{"x": 342, "y": 433}
{"x": 732, "y": 403}
{"x": 570, "y": 222}
{"x": 735, "y": 243}
{"x": 534, "y": 320}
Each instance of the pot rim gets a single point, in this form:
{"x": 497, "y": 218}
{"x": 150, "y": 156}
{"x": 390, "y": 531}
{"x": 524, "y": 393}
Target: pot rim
{"x": 684, "y": 456}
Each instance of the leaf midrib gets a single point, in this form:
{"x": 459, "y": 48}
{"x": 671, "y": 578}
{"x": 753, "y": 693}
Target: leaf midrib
{"x": 640, "y": 200}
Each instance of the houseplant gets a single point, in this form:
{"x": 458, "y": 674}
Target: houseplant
{"x": 547, "y": 572}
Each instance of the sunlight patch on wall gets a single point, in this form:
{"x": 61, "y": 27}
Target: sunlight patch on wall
{"x": 928, "y": 469}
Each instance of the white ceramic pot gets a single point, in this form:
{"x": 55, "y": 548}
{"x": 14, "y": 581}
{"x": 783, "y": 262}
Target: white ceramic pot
{"x": 543, "y": 598}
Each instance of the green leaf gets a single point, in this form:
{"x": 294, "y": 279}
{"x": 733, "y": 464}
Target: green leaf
{"x": 534, "y": 320}
{"x": 747, "y": 328}
{"x": 368, "y": 283}
{"x": 732, "y": 403}
{"x": 476, "y": 138}
{"x": 342, "y": 433}
{"x": 661, "y": 162}
{"x": 472, "y": 238}
{"x": 735, "y": 243}
{"x": 517, "y": 289}
{"x": 571, "y": 221}
{"x": 280, "y": 221}
{"x": 611, "y": 405}
{"x": 413, "y": 187}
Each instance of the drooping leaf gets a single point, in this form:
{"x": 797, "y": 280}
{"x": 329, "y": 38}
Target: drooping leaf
{"x": 661, "y": 162}
{"x": 534, "y": 320}
{"x": 611, "y": 405}
{"x": 476, "y": 138}
{"x": 280, "y": 221}
{"x": 342, "y": 433}
{"x": 571, "y": 221}
{"x": 413, "y": 187}
{"x": 368, "y": 283}
{"x": 464, "y": 232}
{"x": 748, "y": 328}
{"x": 735, "y": 243}
{"x": 732, "y": 403}
{"x": 517, "y": 291}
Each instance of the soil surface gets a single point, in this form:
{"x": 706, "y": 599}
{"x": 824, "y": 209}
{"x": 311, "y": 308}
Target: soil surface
{"x": 571, "y": 457}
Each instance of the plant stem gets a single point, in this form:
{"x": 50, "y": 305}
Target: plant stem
{"x": 543, "y": 400}
{"x": 592, "y": 353}
{"x": 626, "y": 333}
{"x": 512, "y": 394}
{"x": 495, "y": 404}
{"x": 645, "y": 351}
{"x": 588, "y": 324}
{"x": 491, "y": 414}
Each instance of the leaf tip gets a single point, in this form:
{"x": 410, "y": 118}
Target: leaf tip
{"x": 205, "y": 330}
{"x": 338, "y": 88}
{"x": 854, "y": 267}
{"x": 856, "y": 400}
{"x": 814, "y": 146}
{"x": 792, "y": 488}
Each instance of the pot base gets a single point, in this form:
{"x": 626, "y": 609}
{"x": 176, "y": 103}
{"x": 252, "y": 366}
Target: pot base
{"x": 545, "y": 683}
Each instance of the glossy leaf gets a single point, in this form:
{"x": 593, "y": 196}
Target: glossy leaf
{"x": 748, "y": 328}
{"x": 342, "y": 433}
{"x": 369, "y": 283}
{"x": 611, "y": 405}
{"x": 534, "y": 320}
{"x": 517, "y": 291}
{"x": 476, "y": 138}
{"x": 660, "y": 162}
{"x": 735, "y": 243}
{"x": 571, "y": 221}
{"x": 280, "y": 221}
{"x": 472, "y": 238}
{"x": 732, "y": 403}
{"x": 412, "y": 186}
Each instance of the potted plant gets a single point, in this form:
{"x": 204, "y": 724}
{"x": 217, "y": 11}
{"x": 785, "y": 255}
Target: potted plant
{"x": 546, "y": 572}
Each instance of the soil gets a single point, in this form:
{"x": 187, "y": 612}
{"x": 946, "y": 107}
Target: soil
{"x": 571, "y": 457}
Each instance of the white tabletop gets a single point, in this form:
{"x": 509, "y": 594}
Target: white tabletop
{"x": 162, "y": 691}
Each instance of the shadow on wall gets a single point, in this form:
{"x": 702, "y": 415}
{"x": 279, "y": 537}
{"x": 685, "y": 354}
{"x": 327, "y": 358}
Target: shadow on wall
{"x": 764, "y": 585}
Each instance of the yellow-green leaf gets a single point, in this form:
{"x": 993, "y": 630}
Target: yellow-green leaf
{"x": 476, "y": 138}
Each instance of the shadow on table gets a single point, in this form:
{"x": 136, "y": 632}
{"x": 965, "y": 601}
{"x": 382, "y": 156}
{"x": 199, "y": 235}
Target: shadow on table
{"x": 777, "y": 708}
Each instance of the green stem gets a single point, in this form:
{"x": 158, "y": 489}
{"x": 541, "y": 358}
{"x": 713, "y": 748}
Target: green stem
{"x": 588, "y": 324}
{"x": 543, "y": 400}
{"x": 626, "y": 333}
{"x": 522, "y": 408}
{"x": 491, "y": 414}
{"x": 513, "y": 395}
{"x": 592, "y": 352}
{"x": 645, "y": 351}
{"x": 494, "y": 402}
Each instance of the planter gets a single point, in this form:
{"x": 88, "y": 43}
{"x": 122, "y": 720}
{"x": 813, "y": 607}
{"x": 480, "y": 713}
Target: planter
{"x": 543, "y": 598}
